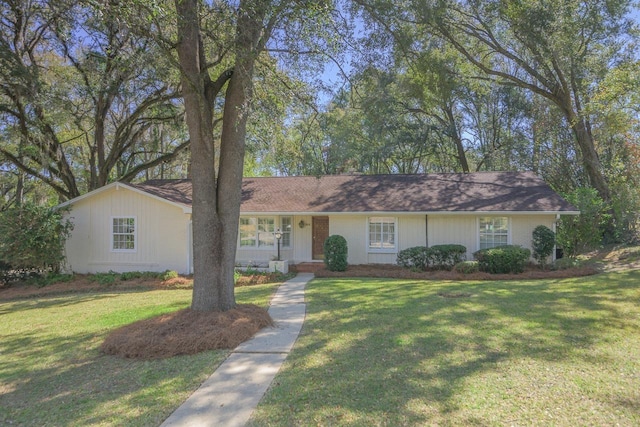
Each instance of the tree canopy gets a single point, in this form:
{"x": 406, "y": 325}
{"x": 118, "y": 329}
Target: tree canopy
{"x": 94, "y": 92}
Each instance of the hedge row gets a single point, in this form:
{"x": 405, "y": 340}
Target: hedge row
{"x": 437, "y": 257}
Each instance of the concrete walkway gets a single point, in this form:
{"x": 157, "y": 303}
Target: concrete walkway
{"x": 229, "y": 396}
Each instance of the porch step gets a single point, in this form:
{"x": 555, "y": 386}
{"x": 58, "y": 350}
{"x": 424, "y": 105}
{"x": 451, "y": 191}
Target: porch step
{"x": 306, "y": 267}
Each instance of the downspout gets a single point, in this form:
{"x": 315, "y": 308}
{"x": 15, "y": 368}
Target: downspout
{"x": 555, "y": 232}
{"x": 426, "y": 230}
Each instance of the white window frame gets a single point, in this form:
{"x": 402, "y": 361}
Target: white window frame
{"x": 277, "y": 224}
{"x": 135, "y": 234}
{"x": 267, "y": 233}
{"x": 286, "y": 232}
{"x": 384, "y": 220}
{"x": 479, "y": 222}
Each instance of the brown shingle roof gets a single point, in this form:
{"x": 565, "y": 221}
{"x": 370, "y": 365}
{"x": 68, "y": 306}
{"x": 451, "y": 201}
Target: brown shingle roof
{"x": 474, "y": 192}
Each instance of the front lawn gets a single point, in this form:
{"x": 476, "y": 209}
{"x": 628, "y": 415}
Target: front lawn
{"x": 51, "y": 372}
{"x": 561, "y": 352}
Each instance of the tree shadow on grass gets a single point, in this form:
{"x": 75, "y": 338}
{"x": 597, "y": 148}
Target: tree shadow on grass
{"x": 395, "y": 352}
{"x": 66, "y": 381}
{"x": 84, "y": 387}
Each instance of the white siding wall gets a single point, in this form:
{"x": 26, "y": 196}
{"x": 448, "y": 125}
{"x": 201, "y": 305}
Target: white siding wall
{"x": 463, "y": 229}
{"x": 523, "y": 225}
{"x": 162, "y": 234}
{"x": 454, "y": 229}
{"x": 354, "y": 228}
{"x": 163, "y": 240}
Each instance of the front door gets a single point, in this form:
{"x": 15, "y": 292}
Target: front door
{"x": 320, "y": 231}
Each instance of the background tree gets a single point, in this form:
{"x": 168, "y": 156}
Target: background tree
{"x": 82, "y": 97}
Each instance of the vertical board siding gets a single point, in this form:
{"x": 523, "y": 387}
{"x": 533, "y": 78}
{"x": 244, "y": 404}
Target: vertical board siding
{"x": 354, "y": 229}
{"x": 161, "y": 240}
{"x": 523, "y": 226}
{"x": 411, "y": 231}
{"x": 454, "y": 229}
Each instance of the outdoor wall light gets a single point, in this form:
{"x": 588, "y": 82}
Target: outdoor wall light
{"x": 301, "y": 224}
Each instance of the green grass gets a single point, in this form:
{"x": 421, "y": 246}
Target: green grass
{"x": 395, "y": 353}
{"x": 51, "y": 372}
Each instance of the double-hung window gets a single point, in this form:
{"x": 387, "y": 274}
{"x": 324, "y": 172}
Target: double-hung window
{"x": 286, "y": 223}
{"x": 259, "y": 232}
{"x": 248, "y": 232}
{"x": 123, "y": 234}
{"x": 266, "y": 228}
{"x": 494, "y": 231}
{"x": 382, "y": 234}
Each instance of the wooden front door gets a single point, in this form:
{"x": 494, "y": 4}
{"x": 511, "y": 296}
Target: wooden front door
{"x": 320, "y": 231}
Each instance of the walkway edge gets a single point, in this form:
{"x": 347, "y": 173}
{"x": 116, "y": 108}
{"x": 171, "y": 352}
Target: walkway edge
{"x": 230, "y": 395}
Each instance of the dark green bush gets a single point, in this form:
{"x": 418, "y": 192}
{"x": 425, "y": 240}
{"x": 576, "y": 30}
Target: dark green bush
{"x": 5, "y": 272}
{"x": 466, "y": 267}
{"x": 33, "y": 238}
{"x": 335, "y": 253}
{"x": 444, "y": 257}
{"x": 415, "y": 258}
{"x": 543, "y": 241}
{"x": 503, "y": 259}
{"x": 584, "y": 232}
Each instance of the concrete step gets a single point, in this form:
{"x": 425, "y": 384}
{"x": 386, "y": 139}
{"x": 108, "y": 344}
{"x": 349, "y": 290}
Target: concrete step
{"x": 306, "y": 267}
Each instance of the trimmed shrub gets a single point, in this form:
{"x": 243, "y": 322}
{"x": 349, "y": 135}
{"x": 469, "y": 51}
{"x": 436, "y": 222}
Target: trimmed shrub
{"x": 543, "y": 242}
{"x": 467, "y": 267}
{"x": 335, "y": 253}
{"x": 503, "y": 259}
{"x": 414, "y": 258}
{"x": 444, "y": 257}
{"x": 439, "y": 257}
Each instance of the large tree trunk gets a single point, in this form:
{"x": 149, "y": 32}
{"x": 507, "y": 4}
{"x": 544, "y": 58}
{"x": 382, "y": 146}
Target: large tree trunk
{"x": 216, "y": 199}
{"x": 590, "y": 159}
{"x": 199, "y": 117}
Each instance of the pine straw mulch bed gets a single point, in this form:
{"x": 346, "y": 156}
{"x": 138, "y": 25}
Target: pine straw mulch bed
{"x": 86, "y": 283}
{"x": 186, "y": 332}
{"x": 397, "y": 272}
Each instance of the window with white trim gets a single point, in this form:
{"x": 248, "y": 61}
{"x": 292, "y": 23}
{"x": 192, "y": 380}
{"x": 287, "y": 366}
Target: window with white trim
{"x": 382, "y": 233}
{"x": 494, "y": 231}
{"x": 258, "y": 232}
{"x": 248, "y": 232}
{"x": 286, "y": 223}
{"x": 123, "y": 234}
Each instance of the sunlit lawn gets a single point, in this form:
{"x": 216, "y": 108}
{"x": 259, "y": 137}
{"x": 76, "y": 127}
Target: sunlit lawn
{"x": 381, "y": 352}
{"x": 51, "y": 372}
